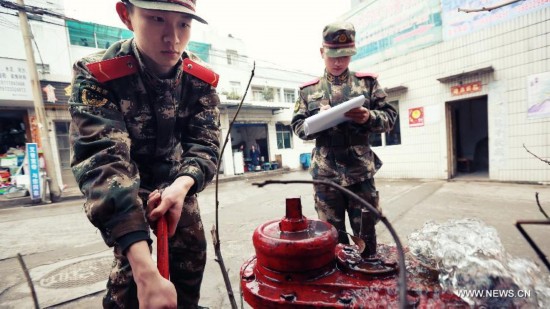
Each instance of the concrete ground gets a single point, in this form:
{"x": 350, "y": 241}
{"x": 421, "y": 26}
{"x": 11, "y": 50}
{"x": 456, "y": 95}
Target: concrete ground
{"x": 68, "y": 260}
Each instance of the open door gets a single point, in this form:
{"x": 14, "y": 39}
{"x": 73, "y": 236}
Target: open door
{"x": 467, "y": 138}
{"x": 451, "y": 143}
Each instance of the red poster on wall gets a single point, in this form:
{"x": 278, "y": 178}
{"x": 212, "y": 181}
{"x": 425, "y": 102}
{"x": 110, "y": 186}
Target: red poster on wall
{"x": 416, "y": 117}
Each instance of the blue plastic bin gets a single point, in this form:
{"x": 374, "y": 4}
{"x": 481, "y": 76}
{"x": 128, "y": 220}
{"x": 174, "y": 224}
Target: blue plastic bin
{"x": 305, "y": 160}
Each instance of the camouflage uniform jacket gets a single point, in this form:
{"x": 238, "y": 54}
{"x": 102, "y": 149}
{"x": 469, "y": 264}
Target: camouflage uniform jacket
{"x": 342, "y": 153}
{"x": 138, "y": 132}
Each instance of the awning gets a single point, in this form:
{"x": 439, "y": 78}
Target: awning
{"x": 465, "y": 74}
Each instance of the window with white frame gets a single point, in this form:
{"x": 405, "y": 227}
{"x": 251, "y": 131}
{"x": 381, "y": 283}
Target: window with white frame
{"x": 392, "y": 137}
{"x": 257, "y": 93}
{"x": 289, "y": 96}
{"x": 63, "y": 144}
{"x": 235, "y": 87}
{"x": 235, "y": 93}
{"x": 232, "y": 57}
{"x": 284, "y": 136}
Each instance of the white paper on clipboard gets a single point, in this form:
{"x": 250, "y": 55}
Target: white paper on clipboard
{"x": 331, "y": 117}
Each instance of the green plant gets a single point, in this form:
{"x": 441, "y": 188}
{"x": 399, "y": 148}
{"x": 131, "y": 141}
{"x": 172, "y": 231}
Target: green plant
{"x": 233, "y": 96}
{"x": 268, "y": 93}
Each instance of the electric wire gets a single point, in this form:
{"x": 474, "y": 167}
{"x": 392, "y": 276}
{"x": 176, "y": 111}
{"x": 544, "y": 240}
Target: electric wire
{"x": 6, "y": 22}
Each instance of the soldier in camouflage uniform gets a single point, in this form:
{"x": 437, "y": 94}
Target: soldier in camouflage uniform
{"x": 145, "y": 140}
{"x": 342, "y": 153}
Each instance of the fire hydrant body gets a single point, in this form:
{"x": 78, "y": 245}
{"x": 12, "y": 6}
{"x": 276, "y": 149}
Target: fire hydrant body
{"x": 299, "y": 264}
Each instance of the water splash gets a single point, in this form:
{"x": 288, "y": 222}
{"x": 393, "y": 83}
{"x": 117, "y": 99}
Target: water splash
{"x": 473, "y": 264}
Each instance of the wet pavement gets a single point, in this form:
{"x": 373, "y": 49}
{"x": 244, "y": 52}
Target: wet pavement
{"x": 68, "y": 261}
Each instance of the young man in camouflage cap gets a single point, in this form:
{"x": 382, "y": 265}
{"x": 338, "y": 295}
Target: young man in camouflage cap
{"x": 145, "y": 140}
{"x": 342, "y": 153}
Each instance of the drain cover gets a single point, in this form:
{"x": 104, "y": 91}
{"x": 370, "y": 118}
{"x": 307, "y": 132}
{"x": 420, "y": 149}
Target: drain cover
{"x": 78, "y": 274}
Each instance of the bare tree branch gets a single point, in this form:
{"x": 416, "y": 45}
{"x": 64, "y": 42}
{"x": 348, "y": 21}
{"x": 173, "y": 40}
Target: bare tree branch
{"x": 534, "y": 155}
{"x": 29, "y": 280}
{"x": 540, "y": 207}
{"x": 488, "y": 8}
{"x": 215, "y": 230}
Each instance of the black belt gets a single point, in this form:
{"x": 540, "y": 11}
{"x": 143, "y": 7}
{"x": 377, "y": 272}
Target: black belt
{"x": 341, "y": 140}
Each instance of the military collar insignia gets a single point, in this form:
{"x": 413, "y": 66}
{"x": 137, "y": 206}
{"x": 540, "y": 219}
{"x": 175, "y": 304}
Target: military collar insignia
{"x": 337, "y": 80}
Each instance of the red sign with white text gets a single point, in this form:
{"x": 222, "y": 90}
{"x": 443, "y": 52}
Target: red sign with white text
{"x": 466, "y": 88}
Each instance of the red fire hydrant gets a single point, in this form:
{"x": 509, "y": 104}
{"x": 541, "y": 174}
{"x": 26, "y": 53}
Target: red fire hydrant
{"x": 299, "y": 264}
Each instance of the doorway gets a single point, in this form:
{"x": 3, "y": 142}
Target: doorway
{"x": 244, "y": 135}
{"x": 468, "y": 138}
{"x": 14, "y": 131}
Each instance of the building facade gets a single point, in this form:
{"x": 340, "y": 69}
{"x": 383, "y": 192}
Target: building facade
{"x": 472, "y": 88}
{"x": 263, "y": 120}
{"x": 18, "y": 120}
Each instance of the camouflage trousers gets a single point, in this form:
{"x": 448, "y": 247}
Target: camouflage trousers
{"x": 187, "y": 254}
{"x": 331, "y": 206}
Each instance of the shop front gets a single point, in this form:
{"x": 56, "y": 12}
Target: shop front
{"x": 13, "y": 132}
{"x": 15, "y": 122}
{"x": 55, "y": 96}
{"x": 19, "y": 126}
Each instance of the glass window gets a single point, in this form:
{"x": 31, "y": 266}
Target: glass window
{"x": 232, "y": 56}
{"x": 257, "y": 94}
{"x": 235, "y": 93}
{"x": 289, "y": 96}
{"x": 375, "y": 140}
{"x": 394, "y": 136}
{"x": 62, "y": 138}
{"x": 284, "y": 136}
{"x": 235, "y": 87}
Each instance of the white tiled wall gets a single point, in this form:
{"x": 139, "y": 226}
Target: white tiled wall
{"x": 515, "y": 49}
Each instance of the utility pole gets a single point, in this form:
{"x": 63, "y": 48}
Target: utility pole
{"x": 55, "y": 191}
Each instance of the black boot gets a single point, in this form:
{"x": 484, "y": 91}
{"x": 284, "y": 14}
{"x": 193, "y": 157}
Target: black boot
{"x": 368, "y": 233}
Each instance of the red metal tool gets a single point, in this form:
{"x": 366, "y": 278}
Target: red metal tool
{"x": 162, "y": 247}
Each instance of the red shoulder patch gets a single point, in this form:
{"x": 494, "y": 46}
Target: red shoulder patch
{"x": 366, "y": 74}
{"x": 200, "y": 72}
{"x": 114, "y": 68}
{"x": 311, "y": 82}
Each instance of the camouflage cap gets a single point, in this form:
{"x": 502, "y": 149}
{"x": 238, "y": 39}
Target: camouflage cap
{"x": 182, "y": 6}
{"x": 339, "y": 39}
